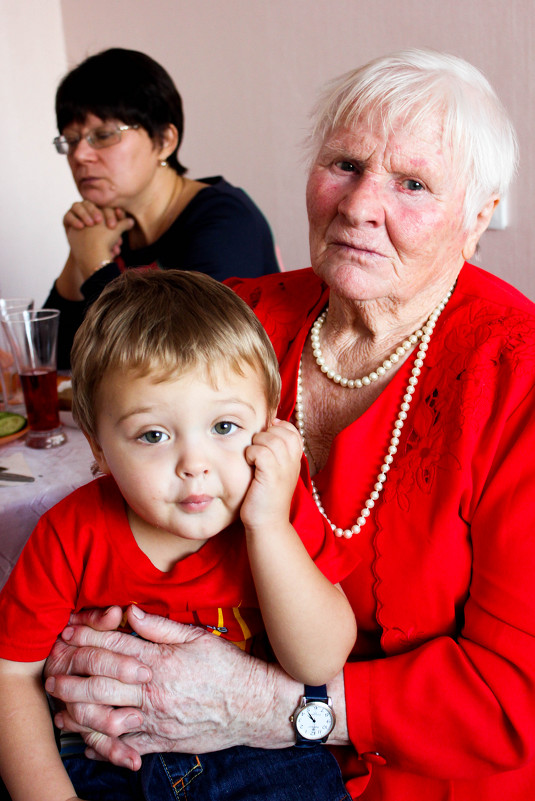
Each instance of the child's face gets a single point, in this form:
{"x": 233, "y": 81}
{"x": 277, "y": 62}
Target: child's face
{"x": 176, "y": 450}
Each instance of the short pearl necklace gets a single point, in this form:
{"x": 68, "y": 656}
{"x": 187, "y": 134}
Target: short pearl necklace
{"x": 366, "y": 380}
{"x": 423, "y": 334}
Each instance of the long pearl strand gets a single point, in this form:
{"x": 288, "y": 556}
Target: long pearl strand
{"x": 423, "y": 334}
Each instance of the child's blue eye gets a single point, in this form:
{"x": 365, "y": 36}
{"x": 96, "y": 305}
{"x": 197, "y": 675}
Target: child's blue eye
{"x": 224, "y": 427}
{"x": 154, "y": 437}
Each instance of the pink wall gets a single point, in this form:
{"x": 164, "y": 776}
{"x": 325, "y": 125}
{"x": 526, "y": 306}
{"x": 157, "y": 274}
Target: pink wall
{"x": 35, "y": 190}
{"x": 249, "y": 70}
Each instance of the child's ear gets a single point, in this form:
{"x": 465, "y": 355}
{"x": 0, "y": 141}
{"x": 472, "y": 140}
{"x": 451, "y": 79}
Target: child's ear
{"x": 98, "y": 453}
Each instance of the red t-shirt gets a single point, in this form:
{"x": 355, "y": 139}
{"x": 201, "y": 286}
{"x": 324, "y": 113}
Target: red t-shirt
{"x": 82, "y": 554}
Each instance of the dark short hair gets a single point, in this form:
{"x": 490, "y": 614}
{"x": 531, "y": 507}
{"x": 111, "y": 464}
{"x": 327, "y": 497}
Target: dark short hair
{"x": 125, "y": 85}
{"x": 167, "y": 323}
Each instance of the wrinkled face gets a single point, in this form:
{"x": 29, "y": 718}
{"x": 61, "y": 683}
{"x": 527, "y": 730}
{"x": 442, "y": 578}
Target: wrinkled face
{"x": 386, "y": 212}
{"x": 116, "y": 175}
{"x": 176, "y": 449}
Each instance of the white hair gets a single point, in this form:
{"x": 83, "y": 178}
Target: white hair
{"x": 412, "y": 86}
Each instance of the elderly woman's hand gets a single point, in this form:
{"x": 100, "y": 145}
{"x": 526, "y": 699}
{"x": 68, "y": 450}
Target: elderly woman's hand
{"x": 177, "y": 689}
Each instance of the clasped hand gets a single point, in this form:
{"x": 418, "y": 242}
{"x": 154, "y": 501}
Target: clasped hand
{"x": 94, "y": 234}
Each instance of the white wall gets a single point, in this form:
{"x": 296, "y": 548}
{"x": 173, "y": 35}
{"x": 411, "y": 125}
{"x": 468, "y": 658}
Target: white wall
{"x": 35, "y": 191}
{"x": 248, "y": 71}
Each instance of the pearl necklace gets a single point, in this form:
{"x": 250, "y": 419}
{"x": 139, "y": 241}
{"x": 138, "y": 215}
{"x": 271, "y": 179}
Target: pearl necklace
{"x": 366, "y": 380}
{"x": 423, "y": 334}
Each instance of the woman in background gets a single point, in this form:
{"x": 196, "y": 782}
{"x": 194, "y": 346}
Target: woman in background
{"x": 121, "y": 124}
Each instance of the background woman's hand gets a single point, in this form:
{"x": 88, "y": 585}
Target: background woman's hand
{"x": 93, "y": 244}
{"x": 94, "y": 236}
{"x": 177, "y": 689}
{"x": 83, "y": 214}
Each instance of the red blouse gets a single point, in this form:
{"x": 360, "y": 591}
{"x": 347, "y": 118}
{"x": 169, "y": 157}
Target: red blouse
{"x": 444, "y": 588}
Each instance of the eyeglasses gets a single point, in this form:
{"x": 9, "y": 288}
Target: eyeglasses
{"x": 97, "y": 138}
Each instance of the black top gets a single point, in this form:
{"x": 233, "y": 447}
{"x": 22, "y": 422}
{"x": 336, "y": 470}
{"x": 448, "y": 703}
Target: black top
{"x": 221, "y": 232}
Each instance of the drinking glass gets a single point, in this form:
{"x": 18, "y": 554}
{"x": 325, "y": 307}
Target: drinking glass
{"x": 33, "y": 337}
{"x": 9, "y": 380}
{"x": 11, "y": 305}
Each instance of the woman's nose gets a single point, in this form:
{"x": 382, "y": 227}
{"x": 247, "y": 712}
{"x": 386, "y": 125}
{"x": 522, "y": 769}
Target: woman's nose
{"x": 83, "y": 152}
{"x": 363, "y": 201}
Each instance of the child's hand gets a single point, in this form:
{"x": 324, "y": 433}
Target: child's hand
{"x": 275, "y": 455}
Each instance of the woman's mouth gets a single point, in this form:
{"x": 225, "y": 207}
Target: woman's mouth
{"x": 357, "y": 248}
{"x": 88, "y": 179}
{"x": 354, "y": 251}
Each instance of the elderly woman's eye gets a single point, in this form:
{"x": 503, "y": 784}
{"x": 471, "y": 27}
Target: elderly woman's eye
{"x": 413, "y": 185}
{"x": 154, "y": 437}
{"x": 345, "y": 166}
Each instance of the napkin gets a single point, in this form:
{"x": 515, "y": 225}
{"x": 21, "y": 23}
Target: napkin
{"x": 15, "y": 463}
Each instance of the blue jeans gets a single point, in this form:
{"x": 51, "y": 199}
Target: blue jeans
{"x": 236, "y": 774}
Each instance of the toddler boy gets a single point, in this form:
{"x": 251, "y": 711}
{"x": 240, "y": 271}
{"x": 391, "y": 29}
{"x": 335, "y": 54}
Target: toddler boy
{"x": 176, "y": 386}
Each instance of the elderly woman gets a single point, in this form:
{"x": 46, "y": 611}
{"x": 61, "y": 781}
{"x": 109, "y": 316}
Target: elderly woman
{"x": 121, "y": 123}
{"x": 411, "y": 376}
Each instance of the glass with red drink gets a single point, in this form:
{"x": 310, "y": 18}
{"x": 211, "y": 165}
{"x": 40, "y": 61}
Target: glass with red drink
{"x": 33, "y": 338}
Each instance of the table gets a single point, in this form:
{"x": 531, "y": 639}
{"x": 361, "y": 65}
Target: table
{"x": 57, "y": 472}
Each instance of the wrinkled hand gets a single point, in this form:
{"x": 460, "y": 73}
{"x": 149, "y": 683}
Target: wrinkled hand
{"x": 178, "y": 689}
{"x": 276, "y": 457}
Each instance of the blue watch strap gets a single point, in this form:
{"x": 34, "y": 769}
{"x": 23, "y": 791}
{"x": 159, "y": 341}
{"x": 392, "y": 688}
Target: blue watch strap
{"x": 316, "y": 693}
{"x": 312, "y": 694}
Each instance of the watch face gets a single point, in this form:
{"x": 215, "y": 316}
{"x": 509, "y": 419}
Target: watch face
{"x": 315, "y": 721}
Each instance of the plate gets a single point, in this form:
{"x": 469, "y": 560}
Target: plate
{"x": 16, "y": 435}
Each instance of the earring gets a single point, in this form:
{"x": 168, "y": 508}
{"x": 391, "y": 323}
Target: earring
{"x": 163, "y": 164}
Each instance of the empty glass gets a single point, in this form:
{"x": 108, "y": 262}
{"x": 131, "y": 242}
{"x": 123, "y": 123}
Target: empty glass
{"x": 9, "y": 381}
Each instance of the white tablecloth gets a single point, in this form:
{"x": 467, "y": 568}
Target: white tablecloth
{"x": 57, "y": 472}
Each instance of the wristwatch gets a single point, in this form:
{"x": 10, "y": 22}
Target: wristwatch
{"x": 314, "y": 717}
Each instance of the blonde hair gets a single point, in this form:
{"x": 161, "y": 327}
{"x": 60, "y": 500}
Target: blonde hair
{"x": 415, "y": 85}
{"x": 169, "y": 322}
